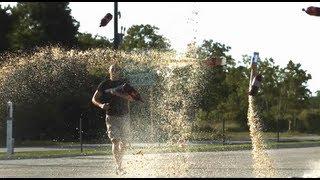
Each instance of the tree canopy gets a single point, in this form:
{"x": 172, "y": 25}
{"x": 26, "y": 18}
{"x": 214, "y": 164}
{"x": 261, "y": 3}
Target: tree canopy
{"x": 42, "y": 23}
{"x": 144, "y": 37}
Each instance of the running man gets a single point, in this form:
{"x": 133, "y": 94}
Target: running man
{"x": 108, "y": 97}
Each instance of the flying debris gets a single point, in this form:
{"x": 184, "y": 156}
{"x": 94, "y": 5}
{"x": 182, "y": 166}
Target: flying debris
{"x": 312, "y": 11}
{"x": 105, "y": 20}
{"x": 126, "y": 89}
{"x": 213, "y": 62}
{"x": 132, "y": 92}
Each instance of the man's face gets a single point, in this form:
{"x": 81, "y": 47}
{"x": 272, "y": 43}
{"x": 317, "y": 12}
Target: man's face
{"x": 115, "y": 71}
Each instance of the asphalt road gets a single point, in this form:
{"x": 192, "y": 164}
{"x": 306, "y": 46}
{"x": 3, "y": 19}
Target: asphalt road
{"x": 291, "y": 162}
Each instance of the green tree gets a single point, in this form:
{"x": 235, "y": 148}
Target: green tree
{"x": 215, "y": 50}
{"x": 310, "y": 120}
{"x": 217, "y": 89}
{"x": 235, "y": 105}
{"x": 43, "y": 23}
{"x": 25, "y": 31}
{"x": 294, "y": 92}
{"x": 315, "y": 101}
{"x": 86, "y": 41}
{"x": 269, "y": 93}
{"x": 144, "y": 37}
{"x": 213, "y": 77}
{"x": 6, "y": 23}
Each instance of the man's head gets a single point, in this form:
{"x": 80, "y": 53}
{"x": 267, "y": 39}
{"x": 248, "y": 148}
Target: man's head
{"x": 115, "y": 72}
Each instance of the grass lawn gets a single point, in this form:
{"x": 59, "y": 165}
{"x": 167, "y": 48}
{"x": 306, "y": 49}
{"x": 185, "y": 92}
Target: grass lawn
{"x": 155, "y": 149}
{"x": 245, "y": 136}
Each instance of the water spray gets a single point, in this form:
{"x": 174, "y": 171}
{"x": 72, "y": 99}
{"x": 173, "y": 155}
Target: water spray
{"x": 262, "y": 164}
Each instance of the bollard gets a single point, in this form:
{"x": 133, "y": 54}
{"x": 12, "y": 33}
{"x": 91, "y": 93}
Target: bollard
{"x": 80, "y": 133}
{"x": 10, "y": 140}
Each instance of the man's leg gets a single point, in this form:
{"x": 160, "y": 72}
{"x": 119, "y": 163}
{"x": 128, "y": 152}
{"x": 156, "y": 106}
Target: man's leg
{"x": 116, "y": 153}
{"x": 118, "y": 136}
{"x": 112, "y": 131}
{"x": 125, "y": 127}
{"x": 122, "y": 148}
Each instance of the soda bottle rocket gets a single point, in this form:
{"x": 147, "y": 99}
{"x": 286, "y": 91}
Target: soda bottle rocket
{"x": 254, "y": 63}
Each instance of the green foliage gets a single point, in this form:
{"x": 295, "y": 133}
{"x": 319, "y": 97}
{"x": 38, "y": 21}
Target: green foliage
{"x": 144, "y": 37}
{"x": 314, "y": 102}
{"x": 216, "y": 50}
{"x": 310, "y": 120}
{"x": 283, "y": 93}
{"x": 224, "y": 87}
{"x": 213, "y": 88}
{"x": 204, "y": 121}
{"x": 36, "y": 24}
{"x": 86, "y": 41}
{"x": 294, "y": 93}
{"x": 6, "y": 25}
{"x": 42, "y": 23}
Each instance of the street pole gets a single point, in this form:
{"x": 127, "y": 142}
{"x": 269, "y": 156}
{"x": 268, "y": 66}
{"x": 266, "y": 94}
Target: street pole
{"x": 115, "y": 41}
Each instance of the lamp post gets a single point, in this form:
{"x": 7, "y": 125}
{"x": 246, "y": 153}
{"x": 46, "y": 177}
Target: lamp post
{"x": 116, "y": 39}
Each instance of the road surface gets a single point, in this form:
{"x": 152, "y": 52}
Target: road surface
{"x": 291, "y": 162}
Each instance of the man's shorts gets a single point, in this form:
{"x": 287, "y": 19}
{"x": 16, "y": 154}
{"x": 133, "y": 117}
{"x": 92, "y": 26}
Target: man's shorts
{"x": 118, "y": 127}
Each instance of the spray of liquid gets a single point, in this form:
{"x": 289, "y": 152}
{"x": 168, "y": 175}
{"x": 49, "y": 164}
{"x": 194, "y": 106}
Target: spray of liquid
{"x": 171, "y": 118}
{"x": 164, "y": 118}
{"x": 166, "y": 115}
{"x": 314, "y": 172}
{"x": 262, "y": 164}
{"x": 172, "y": 110}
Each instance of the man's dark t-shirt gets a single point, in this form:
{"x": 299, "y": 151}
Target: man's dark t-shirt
{"x": 118, "y": 105}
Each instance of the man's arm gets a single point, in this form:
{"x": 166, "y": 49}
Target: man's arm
{"x": 114, "y": 92}
{"x": 96, "y": 102}
{"x": 124, "y": 96}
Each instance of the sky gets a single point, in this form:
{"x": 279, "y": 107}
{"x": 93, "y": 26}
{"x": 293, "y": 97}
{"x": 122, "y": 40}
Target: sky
{"x": 278, "y": 30}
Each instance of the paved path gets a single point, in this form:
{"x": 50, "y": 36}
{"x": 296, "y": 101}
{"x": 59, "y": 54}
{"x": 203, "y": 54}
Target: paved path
{"x": 291, "y": 162}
